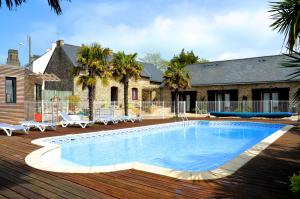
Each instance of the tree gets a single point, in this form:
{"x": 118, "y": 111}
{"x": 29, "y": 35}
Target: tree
{"x": 125, "y": 67}
{"x": 177, "y": 78}
{"x": 54, "y": 4}
{"x": 156, "y": 59}
{"x": 294, "y": 63}
{"x": 286, "y": 14}
{"x": 186, "y": 58}
{"x": 92, "y": 64}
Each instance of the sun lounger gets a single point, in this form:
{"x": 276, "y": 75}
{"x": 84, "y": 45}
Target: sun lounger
{"x": 131, "y": 118}
{"x": 40, "y": 125}
{"x": 8, "y": 129}
{"x": 105, "y": 116}
{"x": 106, "y": 119}
{"x": 73, "y": 120}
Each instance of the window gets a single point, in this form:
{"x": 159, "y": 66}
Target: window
{"x": 134, "y": 93}
{"x": 38, "y": 92}
{"x": 114, "y": 94}
{"x": 10, "y": 89}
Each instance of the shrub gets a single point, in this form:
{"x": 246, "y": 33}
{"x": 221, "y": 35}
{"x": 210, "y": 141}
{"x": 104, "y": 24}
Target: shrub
{"x": 74, "y": 101}
{"x": 295, "y": 184}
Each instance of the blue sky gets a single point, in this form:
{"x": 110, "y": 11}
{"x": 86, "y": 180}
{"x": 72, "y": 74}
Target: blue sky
{"x": 214, "y": 29}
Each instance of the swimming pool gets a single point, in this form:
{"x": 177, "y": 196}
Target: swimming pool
{"x": 187, "y": 150}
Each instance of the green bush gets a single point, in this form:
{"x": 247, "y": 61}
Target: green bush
{"x": 295, "y": 184}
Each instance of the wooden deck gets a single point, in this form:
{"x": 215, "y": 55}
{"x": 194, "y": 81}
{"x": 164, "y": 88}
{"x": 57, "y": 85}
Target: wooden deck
{"x": 265, "y": 176}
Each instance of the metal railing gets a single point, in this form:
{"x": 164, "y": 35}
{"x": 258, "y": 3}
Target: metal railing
{"x": 204, "y": 107}
{"x": 49, "y": 111}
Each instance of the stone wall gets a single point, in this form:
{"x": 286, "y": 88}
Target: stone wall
{"x": 103, "y": 91}
{"x": 61, "y": 66}
{"x": 243, "y": 89}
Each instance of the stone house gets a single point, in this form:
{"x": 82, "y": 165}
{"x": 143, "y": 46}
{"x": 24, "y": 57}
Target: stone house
{"x": 61, "y": 58}
{"x": 259, "y": 81}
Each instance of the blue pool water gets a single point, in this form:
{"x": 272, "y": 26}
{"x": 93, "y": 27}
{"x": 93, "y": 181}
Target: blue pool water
{"x": 199, "y": 146}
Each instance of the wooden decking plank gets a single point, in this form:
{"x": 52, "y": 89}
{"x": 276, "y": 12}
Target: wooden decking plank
{"x": 152, "y": 184}
{"x": 28, "y": 184}
{"x": 8, "y": 184}
{"x": 264, "y": 176}
{"x": 56, "y": 182}
{"x": 176, "y": 186}
{"x": 3, "y": 197}
{"x": 8, "y": 193}
{"x": 40, "y": 183}
{"x": 103, "y": 187}
{"x": 86, "y": 194}
{"x": 128, "y": 185}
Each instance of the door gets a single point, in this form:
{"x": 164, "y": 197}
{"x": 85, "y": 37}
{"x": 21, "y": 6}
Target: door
{"x": 270, "y": 102}
{"x": 275, "y": 102}
{"x": 227, "y": 102}
{"x": 266, "y": 102}
{"x": 188, "y": 103}
{"x": 219, "y": 102}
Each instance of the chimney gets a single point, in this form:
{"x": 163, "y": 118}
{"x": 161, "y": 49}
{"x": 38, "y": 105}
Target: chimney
{"x": 60, "y": 43}
{"x": 13, "y": 58}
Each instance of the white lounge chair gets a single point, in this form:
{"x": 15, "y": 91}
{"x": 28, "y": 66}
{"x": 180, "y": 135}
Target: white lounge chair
{"x": 8, "y": 129}
{"x": 73, "y": 120}
{"x": 106, "y": 119}
{"x": 105, "y": 116}
{"x": 131, "y": 118}
{"x": 40, "y": 125}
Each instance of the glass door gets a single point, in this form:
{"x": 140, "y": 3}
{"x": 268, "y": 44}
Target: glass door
{"x": 274, "y": 102}
{"x": 188, "y": 102}
{"x": 266, "y": 102}
{"x": 227, "y": 102}
{"x": 219, "y": 102}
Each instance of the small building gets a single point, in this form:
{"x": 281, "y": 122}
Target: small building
{"x": 20, "y": 88}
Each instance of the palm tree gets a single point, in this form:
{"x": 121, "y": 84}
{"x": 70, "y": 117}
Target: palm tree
{"x": 125, "y": 67}
{"x": 286, "y": 14}
{"x": 92, "y": 64}
{"x": 54, "y": 4}
{"x": 177, "y": 78}
{"x": 294, "y": 63}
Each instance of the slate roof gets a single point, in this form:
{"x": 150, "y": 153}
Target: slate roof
{"x": 241, "y": 71}
{"x": 149, "y": 71}
{"x": 154, "y": 73}
{"x": 71, "y": 51}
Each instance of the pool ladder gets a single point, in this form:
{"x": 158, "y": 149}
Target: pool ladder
{"x": 184, "y": 119}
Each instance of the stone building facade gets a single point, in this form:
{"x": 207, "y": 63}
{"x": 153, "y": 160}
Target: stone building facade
{"x": 104, "y": 92}
{"x": 63, "y": 57}
{"x": 251, "y": 80}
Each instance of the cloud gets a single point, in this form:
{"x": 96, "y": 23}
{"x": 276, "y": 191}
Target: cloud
{"x": 233, "y": 34}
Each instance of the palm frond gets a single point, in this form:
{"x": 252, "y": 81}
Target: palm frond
{"x": 286, "y": 16}
{"x": 54, "y": 4}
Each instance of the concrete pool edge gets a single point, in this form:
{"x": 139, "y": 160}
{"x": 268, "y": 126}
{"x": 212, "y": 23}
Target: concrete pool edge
{"x": 45, "y": 159}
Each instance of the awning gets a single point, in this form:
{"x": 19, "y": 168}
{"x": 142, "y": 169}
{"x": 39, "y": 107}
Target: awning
{"x": 47, "y": 77}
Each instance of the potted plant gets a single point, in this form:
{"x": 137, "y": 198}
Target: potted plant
{"x": 38, "y": 117}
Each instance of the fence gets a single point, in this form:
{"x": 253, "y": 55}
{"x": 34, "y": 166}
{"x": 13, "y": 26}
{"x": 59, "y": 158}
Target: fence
{"x": 49, "y": 111}
{"x": 204, "y": 107}
{"x": 49, "y": 94}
